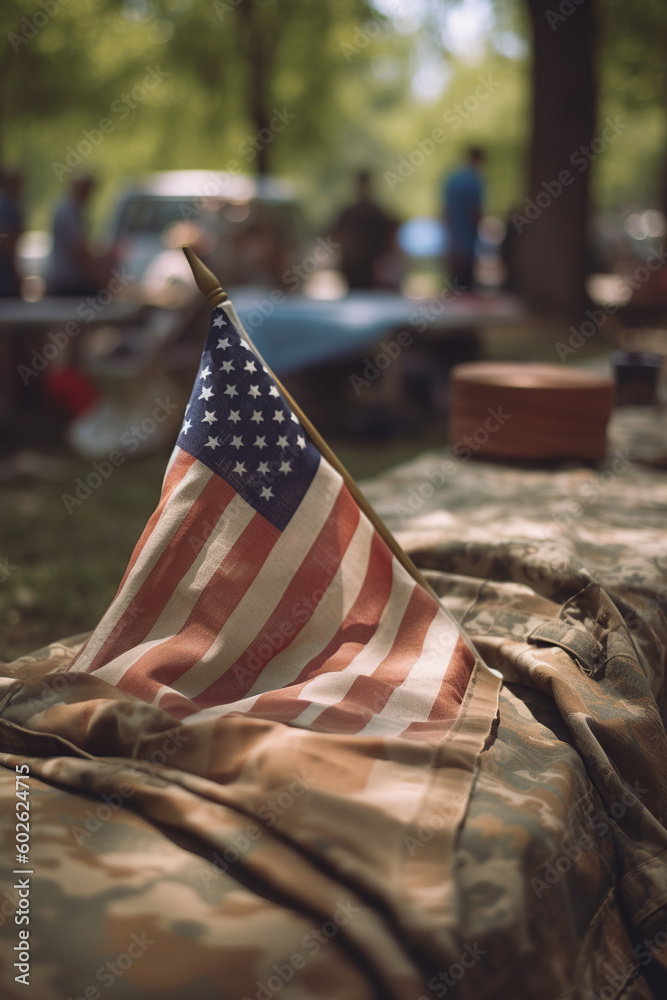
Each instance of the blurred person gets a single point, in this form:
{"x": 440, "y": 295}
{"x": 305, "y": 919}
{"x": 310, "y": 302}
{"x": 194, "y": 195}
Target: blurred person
{"x": 11, "y": 227}
{"x": 74, "y": 268}
{"x": 463, "y": 195}
{"x": 508, "y": 252}
{"x": 366, "y": 234}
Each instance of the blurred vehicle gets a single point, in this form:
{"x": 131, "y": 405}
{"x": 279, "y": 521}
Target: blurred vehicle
{"x": 249, "y": 230}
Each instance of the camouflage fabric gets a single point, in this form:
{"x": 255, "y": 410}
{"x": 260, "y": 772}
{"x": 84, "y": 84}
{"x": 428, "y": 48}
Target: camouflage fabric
{"x": 243, "y": 859}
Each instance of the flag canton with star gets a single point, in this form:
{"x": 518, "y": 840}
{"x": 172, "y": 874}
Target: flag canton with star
{"x": 239, "y": 426}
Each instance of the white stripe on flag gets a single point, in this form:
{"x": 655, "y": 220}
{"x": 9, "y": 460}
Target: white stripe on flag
{"x": 184, "y": 495}
{"x": 327, "y": 617}
{"x": 257, "y": 605}
{"x": 331, "y": 688}
{"x": 229, "y": 527}
{"x": 413, "y": 701}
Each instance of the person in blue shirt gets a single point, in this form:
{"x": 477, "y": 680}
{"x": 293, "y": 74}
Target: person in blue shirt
{"x": 463, "y": 194}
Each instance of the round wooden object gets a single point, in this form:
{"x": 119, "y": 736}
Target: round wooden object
{"x": 528, "y": 411}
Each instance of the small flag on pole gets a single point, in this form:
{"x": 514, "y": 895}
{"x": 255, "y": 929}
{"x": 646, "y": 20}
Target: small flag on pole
{"x": 264, "y": 584}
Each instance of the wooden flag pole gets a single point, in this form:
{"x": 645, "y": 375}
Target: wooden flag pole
{"x": 209, "y": 285}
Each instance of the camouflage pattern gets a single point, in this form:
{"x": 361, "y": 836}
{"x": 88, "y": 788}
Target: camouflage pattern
{"x": 238, "y": 858}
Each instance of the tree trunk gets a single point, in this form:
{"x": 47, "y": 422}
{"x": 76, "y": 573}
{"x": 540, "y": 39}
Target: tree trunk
{"x": 258, "y": 58}
{"x": 551, "y": 247}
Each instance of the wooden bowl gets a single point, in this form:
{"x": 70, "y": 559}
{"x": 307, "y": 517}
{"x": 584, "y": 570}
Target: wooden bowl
{"x": 516, "y": 410}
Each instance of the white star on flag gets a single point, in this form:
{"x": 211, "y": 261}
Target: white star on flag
{"x": 210, "y": 417}
{"x": 234, "y": 416}
{"x": 212, "y": 443}
{"x": 254, "y": 391}
{"x": 223, "y": 343}
{"x": 279, "y": 416}
{"x": 206, "y": 393}
{"x": 186, "y": 426}
{"x": 230, "y": 390}
{"x": 205, "y": 372}
{"x": 266, "y": 492}
{"x": 239, "y": 468}
{"x": 257, "y": 416}
{"x": 227, "y": 366}
{"x": 260, "y": 442}
{"x": 237, "y": 441}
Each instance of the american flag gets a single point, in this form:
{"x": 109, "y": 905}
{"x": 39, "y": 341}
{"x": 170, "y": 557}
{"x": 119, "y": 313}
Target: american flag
{"x": 260, "y": 587}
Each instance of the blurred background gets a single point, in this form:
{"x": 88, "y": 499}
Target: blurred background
{"x": 385, "y": 189}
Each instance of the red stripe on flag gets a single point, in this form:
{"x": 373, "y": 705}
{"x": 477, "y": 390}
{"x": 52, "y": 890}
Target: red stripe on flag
{"x": 168, "y": 661}
{"x": 371, "y": 693}
{"x": 447, "y": 705}
{"x": 175, "y": 474}
{"x": 177, "y": 705}
{"x": 174, "y": 562}
{"x": 177, "y": 471}
{"x": 357, "y": 630}
{"x": 311, "y": 577}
